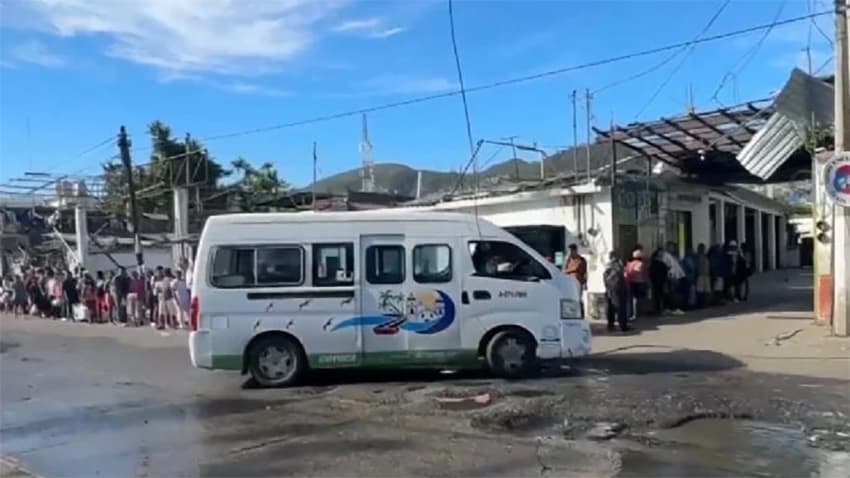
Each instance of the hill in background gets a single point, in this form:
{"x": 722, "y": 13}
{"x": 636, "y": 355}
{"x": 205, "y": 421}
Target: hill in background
{"x": 401, "y": 179}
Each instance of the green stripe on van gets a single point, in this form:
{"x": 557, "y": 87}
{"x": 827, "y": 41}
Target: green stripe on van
{"x": 401, "y": 358}
{"x": 227, "y": 362}
{"x": 393, "y": 359}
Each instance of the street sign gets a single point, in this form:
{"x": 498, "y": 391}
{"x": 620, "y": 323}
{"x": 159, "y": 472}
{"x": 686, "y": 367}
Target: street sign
{"x": 836, "y": 179}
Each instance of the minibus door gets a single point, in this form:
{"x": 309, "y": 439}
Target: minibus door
{"x": 383, "y": 289}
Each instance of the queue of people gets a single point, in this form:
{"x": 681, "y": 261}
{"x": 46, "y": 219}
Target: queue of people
{"x": 158, "y": 297}
{"x": 697, "y": 279}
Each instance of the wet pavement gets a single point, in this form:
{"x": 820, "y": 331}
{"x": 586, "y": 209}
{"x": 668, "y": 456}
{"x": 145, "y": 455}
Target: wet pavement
{"x": 82, "y": 400}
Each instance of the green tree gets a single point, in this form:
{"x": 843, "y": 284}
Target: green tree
{"x": 257, "y": 185}
{"x": 172, "y": 163}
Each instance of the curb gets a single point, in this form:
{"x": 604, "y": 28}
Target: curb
{"x": 11, "y": 467}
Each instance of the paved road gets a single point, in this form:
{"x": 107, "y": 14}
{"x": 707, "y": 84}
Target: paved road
{"x": 82, "y": 400}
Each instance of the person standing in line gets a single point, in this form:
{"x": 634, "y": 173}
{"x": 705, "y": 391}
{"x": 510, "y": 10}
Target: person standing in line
{"x": 72, "y": 292}
{"x": 615, "y": 293}
{"x": 744, "y": 271}
{"x": 55, "y": 284}
{"x": 703, "y": 276}
{"x": 675, "y": 277}
{"x": 90, "y": 298}
{"x": 121, "y": 285}
{"x": 689, "y": 282}
{"x": 135, "y": 298}
{"x": 658, "y": 276}
{"x": 102, "y": 288}
{"x": 165, "y": 301}
{"x": 576, "y": 267}
{"x": 730, "y": 282}
{"x": 19, "y": 296}
{"x": 181, "y": 298}
{"x": 636, "y": 281}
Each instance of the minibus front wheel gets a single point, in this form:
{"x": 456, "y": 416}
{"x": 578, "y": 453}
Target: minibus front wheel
{"x": 276, "y": 360}
{"x": 512, "y": 353}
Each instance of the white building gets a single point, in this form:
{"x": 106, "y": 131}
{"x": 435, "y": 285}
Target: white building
{"x": 648, "y": 212}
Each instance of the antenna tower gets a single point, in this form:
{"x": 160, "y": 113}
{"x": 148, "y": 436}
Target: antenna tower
{"x": 367, "y": 173}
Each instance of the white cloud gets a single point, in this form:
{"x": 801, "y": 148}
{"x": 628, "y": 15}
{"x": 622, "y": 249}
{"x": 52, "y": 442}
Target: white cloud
{"x": 363, "y": 24}
{"x": 372, "y": 27}
{"x": 224, "y": 36}
{"x": 36, "y": 53}
{"x": 388, "y": 32}
{"x": 244, "y": 88}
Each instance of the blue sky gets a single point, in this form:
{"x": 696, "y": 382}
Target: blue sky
{"x": 72, "y": 71}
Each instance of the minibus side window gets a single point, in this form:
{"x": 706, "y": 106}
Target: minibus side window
{"x": 432, "y": 263}
{"x": 233, "y": 267}
{"x": 503, "y": 260}
{"x": 280, "y": 266}
{"x": 384, "y": 264}
{"x": 333, "y": 264}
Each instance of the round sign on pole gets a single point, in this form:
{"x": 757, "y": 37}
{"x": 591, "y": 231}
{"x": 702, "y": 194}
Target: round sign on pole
{"x": 836, "y": 179}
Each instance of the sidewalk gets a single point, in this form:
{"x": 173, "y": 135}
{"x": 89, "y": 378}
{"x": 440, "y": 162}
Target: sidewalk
{"x": 773, "y": 331}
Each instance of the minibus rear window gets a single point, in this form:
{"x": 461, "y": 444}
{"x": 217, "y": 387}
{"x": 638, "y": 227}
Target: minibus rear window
{"x": 243, "y": 267}
{"x": 233, "y": 268}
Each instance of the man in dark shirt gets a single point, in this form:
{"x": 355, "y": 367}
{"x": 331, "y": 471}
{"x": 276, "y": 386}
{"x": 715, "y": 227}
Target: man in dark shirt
{"x": 122, "y": 289}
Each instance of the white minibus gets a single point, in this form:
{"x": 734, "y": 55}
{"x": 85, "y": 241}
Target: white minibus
{"x": 275, "y": 295}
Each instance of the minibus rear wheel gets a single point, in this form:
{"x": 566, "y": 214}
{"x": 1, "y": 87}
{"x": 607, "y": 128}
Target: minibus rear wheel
{"x": 512, "y": 354}
{"x": 276, "y": 361}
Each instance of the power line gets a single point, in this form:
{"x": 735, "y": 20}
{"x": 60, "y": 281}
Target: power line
{"x": 687, "y": 50}
{"x": 666, "y": 60}
{"x": 460, "y": 79}
{"x": 748, "y": 56}
{"x": 97, "y": 146}
{"x": 509, "y": 81}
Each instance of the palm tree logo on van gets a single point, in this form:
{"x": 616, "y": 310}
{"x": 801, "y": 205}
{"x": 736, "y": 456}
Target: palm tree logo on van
{"x": 424, "y": 312}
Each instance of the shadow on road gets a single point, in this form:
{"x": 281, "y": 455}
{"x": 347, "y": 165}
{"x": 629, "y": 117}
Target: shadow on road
{"x": 671, "y": 361}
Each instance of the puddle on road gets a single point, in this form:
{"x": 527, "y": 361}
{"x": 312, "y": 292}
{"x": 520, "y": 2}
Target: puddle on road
{"x": 715, "y": 447}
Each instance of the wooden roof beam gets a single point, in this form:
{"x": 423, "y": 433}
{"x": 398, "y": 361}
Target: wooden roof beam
{"x": 741, "y": 124}
{"x": 648, "y": 142}
{"x": 660, "y": 158}
{"x": 720, "y": 133}
{"x": 667, "y": 138}
{"x": 698, "y": 139}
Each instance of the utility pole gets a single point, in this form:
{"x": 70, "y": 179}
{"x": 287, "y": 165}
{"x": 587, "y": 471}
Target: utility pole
{"x": 587, "y": 98}
{"x": 575, "y": 134}
{"x": 614, "y": 204}
{"x": 841, "y": 215}
{"x": 542, "y": 163}
{"x": 513, "y": 151}
{"x": 315, "y": 166}
{"x": 124, "y": 147}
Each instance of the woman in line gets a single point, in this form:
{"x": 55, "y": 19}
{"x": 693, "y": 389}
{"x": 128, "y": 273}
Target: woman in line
{"x": 636, "y": 281}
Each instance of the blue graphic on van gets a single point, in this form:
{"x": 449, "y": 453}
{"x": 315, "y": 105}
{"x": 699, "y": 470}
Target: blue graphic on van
{"x": 424, "y": 312}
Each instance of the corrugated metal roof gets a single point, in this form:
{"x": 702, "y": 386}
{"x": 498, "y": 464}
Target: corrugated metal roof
{"x": 771, "y": 146}
{"x": 803, "y": 99}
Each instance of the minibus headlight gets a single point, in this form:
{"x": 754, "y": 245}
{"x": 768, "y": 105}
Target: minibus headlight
{"x": 570, "y": 309}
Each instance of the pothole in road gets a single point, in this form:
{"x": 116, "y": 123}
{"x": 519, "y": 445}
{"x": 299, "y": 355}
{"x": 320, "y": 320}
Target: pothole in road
{"x": 513, "y": 418}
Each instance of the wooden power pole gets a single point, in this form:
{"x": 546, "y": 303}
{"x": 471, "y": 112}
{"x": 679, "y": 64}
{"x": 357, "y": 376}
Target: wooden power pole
{"x": 124, "y": 147}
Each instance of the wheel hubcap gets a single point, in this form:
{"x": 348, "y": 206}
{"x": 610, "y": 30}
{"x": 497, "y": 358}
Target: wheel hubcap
{"x": 512, "y": 353}
{"x": 276, "y": 363}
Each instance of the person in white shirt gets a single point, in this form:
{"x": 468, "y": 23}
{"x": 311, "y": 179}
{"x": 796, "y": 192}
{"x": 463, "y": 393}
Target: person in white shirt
{"x": 181, "y": 298}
